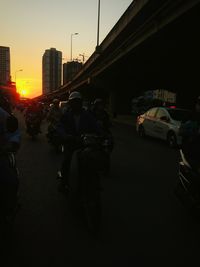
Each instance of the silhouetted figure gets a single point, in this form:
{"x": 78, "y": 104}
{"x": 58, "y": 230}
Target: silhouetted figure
{"x": 73, "y": 124}
{"x": 190, "y": 132}
{"x": 101, "y": 115}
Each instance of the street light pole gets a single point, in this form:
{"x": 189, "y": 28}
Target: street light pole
{"x": 98, "y": 22}
{"x": 71, "y": 42}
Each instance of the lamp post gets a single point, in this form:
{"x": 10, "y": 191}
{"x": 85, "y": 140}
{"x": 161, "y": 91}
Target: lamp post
{"x": 16, "y": 73}
{"x": 71, "y": 42}
{"x": 98, "y": 22}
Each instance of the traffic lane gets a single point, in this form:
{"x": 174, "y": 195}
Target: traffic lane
{"x": 36, "y": 220}
{"x": 46, "y": 233}
{"x": 142, "y": 221}
{"x": 144, "y": 213}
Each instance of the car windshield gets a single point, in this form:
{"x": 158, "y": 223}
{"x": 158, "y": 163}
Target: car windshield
{"x": 180, "y": 114}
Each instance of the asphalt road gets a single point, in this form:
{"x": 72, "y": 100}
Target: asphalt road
{"x": 143, "y": 224}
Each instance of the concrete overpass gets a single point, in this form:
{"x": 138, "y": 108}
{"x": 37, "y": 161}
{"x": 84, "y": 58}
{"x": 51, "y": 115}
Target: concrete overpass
{"x": 154, "y": 45}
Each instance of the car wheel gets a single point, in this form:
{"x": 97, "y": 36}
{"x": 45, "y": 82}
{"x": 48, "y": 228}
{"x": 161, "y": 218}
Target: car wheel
{"x": 171, "y": 140}
{"x": 141, "y": 131}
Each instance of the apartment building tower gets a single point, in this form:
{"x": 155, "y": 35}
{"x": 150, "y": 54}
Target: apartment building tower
{"x": 51, "y": 70}
{"x": 70, "y": 69}
{"x": 4, "y": 65}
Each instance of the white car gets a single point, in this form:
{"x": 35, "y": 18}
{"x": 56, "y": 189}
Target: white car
{"x": 163, "y": 123}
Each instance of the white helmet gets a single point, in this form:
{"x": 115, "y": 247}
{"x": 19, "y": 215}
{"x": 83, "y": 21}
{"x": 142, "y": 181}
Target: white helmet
{"x": 75, "y": 95}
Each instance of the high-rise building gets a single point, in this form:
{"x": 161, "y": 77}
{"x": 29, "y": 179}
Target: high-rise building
{"x": 70, "y": 69}
{"x": 4, "y": 65}
{"x": 51, "y": 70}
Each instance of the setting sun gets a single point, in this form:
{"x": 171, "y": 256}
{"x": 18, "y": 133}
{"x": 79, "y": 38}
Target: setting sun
{"x": 23, "y": 92}
{"x": 22, "y": 87}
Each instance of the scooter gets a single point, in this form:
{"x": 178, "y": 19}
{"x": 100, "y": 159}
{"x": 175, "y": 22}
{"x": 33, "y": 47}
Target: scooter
{"x": 33, "y": 125}
{"x": 88, "y": 165}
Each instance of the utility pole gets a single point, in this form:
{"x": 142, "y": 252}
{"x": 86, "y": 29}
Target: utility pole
{"x": 98, "y": 22}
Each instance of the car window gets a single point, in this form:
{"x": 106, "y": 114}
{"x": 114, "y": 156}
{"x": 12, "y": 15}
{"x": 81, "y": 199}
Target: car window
{"x": 180, "y": 115}
{"x": 161, "y": 113}
{"x": 152, "y": 112}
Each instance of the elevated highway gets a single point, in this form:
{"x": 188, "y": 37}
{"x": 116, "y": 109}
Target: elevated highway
{"x": 154, "y": 45}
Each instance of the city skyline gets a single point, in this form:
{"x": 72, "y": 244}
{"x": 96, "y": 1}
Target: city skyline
{"x": 33, "y": 27}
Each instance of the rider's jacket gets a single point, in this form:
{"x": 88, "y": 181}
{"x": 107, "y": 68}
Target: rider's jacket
{"x": 7, "y": 136}
{"x": 54, "y": 115}
{"x": 76, "y": 125}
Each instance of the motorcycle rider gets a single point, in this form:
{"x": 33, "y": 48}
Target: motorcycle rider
{"x": 54, "y": 113}
{"x": 10, "y": 135}
{"x": 9, "y": 144}
{"x": 103, "y": 119}
{"x": 191, "y": 127}
{"x": 101, "y": 115}
{"x": 53, "y": 118}
{"x": 190, "y": 132}
{"x": 105, "y": 124}
{"x": 74, "y": 122}
{"x": 4, "y": 102}
{"x": 34, "y": 110}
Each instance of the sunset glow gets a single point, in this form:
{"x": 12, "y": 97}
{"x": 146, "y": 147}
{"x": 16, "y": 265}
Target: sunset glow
{"x": 23, "y": 88}
{"x": 28, "y": 36}
{"x": 23, "y": 92}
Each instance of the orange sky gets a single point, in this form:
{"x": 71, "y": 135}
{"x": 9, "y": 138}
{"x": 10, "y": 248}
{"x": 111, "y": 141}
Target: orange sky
{"x": 30, "y": 27}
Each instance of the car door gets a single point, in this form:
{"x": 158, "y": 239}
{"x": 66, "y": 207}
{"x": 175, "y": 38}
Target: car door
{"x": 148, "y": 123}
{"x": 161, "y": 124}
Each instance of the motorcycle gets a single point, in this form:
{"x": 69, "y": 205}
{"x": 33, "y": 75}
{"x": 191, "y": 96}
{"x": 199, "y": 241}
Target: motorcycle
{"x": 54, "y": 138}
{"x": 188, "y": 187}
{"x": 33, "y": 125}
{"x": 89, "y": 164}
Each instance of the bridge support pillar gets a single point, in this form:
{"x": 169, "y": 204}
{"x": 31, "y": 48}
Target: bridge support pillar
{"x": 119, "y": 103}
{"x": 113, "y": 104}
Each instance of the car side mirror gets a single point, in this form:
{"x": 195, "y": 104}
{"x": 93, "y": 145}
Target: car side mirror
{"x": 165, "y": 119}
